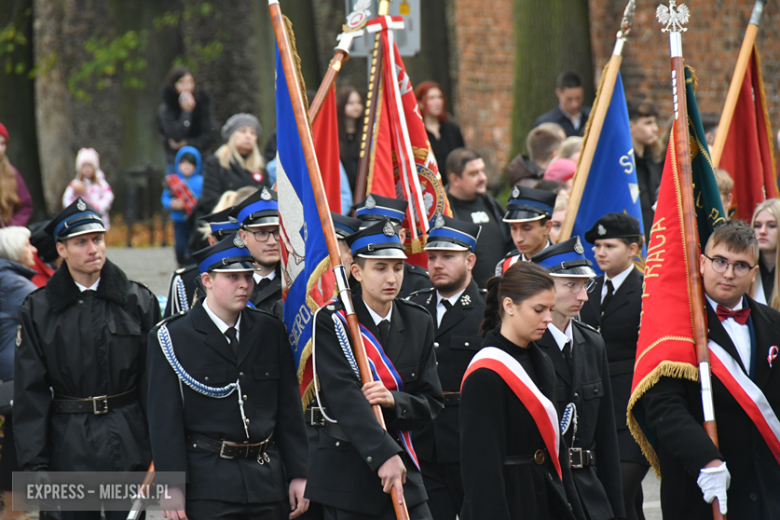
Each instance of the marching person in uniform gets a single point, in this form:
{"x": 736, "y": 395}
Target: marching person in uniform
{"x": 743, "y": 471}
{"x": 224, "y": 405}
{"x": 613, "y": 308}
{"x": 457, "y": 306}
{"x": 529, "y": 213}
{"x": 376, "y": 208}
{"x": 83, "y": 335}
{"x": 258, "y": 216}
{"x": 584, "y": 390}
{"x": 356, "y": 459}
{"x": 513, "y": 460}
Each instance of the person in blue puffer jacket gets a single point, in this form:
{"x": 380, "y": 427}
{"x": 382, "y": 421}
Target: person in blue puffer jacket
{"x": 181, "y": 193}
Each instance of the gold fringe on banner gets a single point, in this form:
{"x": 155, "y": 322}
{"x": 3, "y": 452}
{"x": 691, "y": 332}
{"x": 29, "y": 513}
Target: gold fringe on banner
{"x": 297, "y": 61}
{"x": 766, "y": 112}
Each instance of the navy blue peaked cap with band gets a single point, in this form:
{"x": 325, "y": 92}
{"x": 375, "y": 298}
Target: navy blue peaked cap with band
{"x": 378, "y": 241}
{"x": 565, "y": 259}
{"x": 221, "y": 223}
{"x": 77, "y": 219}
{"x": 613, "y": 225}
{"x": 259, "y": 209}
{"x": 449, "y": 234}
{"x": 376, "y": 207}
{"x": 229, "y": 255}
{"x": 529, "y": 204}
{"x": 344, "y": 225}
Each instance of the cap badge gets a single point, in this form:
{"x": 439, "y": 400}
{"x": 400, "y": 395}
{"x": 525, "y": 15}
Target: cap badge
{"x": 370, "y": 202}
{"x": 237, "y": 241}
{"x": 465, "y": 299}
{"x": 233, "y": 220}
{"x": 388, "y": 230}
{"x": 578, "y": 247}
{"x": 81, "y": 205}
{"x": 515, "y": 192}
{"x": 265, "y": 195}
{"x": 439, "y": 222}
{"x": 602, "y": 230}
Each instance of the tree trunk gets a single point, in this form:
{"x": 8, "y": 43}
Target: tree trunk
{"x": 551, "y": 36}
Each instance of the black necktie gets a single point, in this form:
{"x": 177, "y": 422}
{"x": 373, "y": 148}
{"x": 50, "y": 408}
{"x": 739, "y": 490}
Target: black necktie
{"x": 608, "y": 296}
{"x": 384, "y": 332}
{"x": 262, "y": 284}
{"x": 567, "y": 354}
{"x": 232, "y": 335}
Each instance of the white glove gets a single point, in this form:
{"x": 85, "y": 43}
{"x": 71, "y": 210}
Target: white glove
{"x": 713, "y": 483}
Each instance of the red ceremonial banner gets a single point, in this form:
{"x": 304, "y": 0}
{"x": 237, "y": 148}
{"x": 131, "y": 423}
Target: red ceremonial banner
{"x": 748, "y": 154}
{"x": 325, "y": 133}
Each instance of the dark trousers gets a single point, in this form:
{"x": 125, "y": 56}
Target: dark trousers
{"x": 95, "y": 515}
{"x": 181, "y": 238}
{"x": 218, "y": 510}
{"x": 418, "y": 512}
{"x": 444, "y": 487}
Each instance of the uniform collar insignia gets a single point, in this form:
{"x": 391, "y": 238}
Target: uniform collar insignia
{"x": 465, "y": 299}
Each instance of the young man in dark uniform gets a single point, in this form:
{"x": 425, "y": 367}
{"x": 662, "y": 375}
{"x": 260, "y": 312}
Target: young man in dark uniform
{"x": 376, "y": 208}
{"x": 225, "y": 406}
{"x": 185, "y": 287}
{"x": 528, "y": 213}
{"x": 258, "y": 216}
{"x": 743, "y": 334}
{"x": 613, "y": 308}
{"x": 457, "y": 306}
{"x": 83, "y": 335}
{"x": 356, "y": 459}
{"x": 584, "y": 391}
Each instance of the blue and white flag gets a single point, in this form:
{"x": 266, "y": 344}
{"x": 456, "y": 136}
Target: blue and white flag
{"x": 611, "y": 186}
{"x": 308, "y": 281}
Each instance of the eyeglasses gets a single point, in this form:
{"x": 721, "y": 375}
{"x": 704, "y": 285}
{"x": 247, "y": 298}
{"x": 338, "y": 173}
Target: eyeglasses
{"x": 721, "y": 265}
{"x": 576, "y": 287}
{"x": 263, "y": 235}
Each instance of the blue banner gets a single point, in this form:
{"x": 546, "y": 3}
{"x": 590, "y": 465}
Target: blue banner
{"x": 611, "y": 186}
{"x": 303, "y": 248}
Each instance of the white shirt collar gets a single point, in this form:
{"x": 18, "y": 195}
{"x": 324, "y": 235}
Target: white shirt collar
{"x": 524, "y": 259}
{"x": 376, "y": 317}
{"x": 83, "y": 288}
{"x": 739, "y": 334}
{"x": 737, "y": 307}
{"x": 441, "y": 309}
{"x": 618, "y": 280}
{"x": 561, "y": 338}
{"x": 221, "y": 325}
{"x": 259, "y": 278}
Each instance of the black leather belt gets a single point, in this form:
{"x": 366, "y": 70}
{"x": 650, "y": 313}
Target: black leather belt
{"x": 314, "y": 417}
{"x": 538, "y": 458}
{"x": 579, "y": 458}
{"x": 619, "y": 368}
{"x": 231, "y": 450}
{"x": 451, "y": 399}
{"x": 96, "y": 405}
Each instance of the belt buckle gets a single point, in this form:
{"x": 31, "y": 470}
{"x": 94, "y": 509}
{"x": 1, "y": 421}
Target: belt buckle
{"x": 316, "y": 417}
{"x": 222, "y": 453}
{"x": 578, "y": 453}
{"x": 103, "y": 399}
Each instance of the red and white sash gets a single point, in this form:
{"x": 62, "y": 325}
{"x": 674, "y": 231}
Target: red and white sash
{"x": 748, "y": 395}
{"x": 541, "y": 409}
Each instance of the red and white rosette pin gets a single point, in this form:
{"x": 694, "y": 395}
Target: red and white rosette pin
{"x": 773, "y": 351}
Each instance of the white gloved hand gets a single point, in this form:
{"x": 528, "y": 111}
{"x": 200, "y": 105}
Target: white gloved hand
{"x": 713, "y": 483}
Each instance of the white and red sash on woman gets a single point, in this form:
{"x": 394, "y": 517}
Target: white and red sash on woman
{"x": 383, "y": 370}
{"x": 538, "y": 405}
{"x": 748, "y": 395}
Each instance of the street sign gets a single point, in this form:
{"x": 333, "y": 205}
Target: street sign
{"x": 408, "y": 39}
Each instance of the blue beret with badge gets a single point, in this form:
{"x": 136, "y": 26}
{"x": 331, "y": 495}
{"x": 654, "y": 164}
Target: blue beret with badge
{"x": 77, "y": 219}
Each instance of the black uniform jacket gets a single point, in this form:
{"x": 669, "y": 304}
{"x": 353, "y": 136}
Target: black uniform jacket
{"x": 495, "y": 424}
{"x": 344, "y": 474}
{"x": 588, "y": 387}
{"x": 83, "y": 345}
{"x": 415, "y": 279}
{"x": 269, "y": 389}
{"x": 267, "y": 293}
{"x": 620, "y": 329}
{"x": 674, "y": 414}
{"x": 456, "y": 342}
{"x": 193, "y": 288}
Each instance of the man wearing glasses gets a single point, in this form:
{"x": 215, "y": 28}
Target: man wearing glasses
{"x": 259, "y": 219}
{"x": 584, "y": 391}
{"x": 743, "y": 471}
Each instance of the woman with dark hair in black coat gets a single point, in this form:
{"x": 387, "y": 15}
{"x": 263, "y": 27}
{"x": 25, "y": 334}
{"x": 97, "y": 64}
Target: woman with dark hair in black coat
{"x": 185, "y": 117}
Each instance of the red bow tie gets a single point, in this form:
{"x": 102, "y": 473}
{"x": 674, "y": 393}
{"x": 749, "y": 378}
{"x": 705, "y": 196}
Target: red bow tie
{"x": 741, "y": 316}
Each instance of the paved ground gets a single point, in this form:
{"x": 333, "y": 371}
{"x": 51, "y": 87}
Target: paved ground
{"x": 153, "y": 266}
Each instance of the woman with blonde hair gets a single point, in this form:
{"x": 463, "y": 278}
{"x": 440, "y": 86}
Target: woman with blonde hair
{"x": 765, "y": 220}
{"x": 15, "y": 201}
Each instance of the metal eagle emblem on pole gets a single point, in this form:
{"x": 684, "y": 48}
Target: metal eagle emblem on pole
{"x": 673, "y": 17}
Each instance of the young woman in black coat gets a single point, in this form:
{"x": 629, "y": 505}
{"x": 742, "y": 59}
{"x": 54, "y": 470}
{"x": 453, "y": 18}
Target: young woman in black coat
{"x": 184, "y": 117}
{"x": 507, "y": 466}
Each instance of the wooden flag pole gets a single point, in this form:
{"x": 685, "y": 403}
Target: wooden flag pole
{"x": 304, "y": 131}
{"x": 333, "y": 70}
{"x": 674, "y": 19}
{"x": 736, "y": 82}
{"x": 596, "y": 123}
